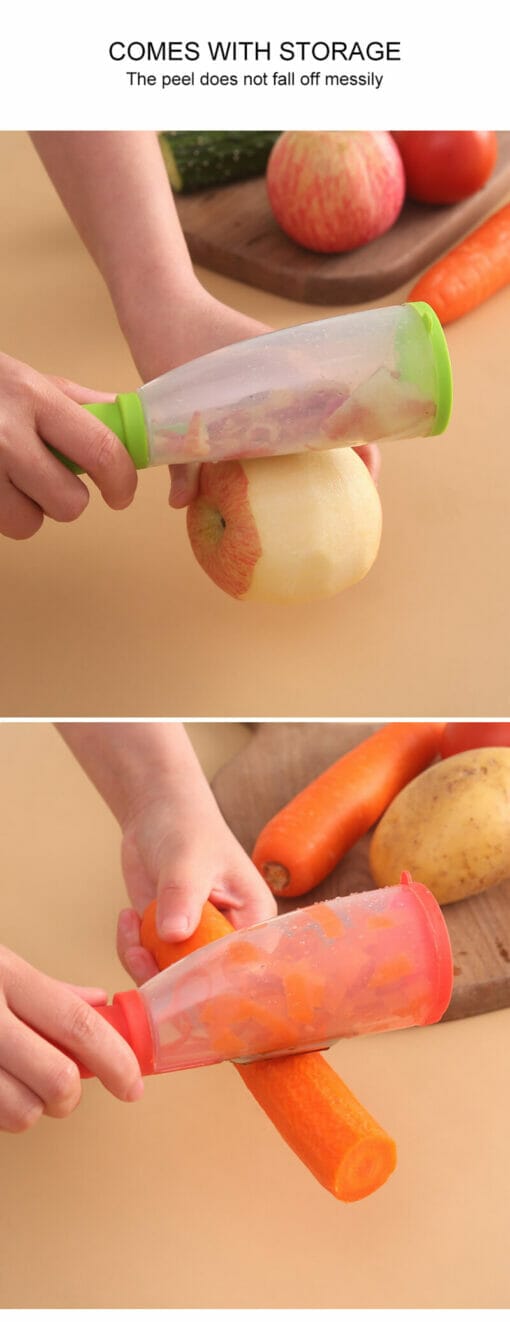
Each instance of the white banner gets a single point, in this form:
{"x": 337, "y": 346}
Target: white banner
{"x": 129, "y": 65}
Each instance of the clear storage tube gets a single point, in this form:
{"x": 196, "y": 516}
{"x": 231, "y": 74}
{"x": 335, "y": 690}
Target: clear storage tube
{"x": 367, "y": 376}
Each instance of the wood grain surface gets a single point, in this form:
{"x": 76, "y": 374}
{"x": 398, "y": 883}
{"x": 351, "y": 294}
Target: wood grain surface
{"x": 232, "y": 230}
{"x": 279, "y": 761}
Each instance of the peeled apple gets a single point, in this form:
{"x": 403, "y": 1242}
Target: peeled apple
{"x": 289, "y": 529}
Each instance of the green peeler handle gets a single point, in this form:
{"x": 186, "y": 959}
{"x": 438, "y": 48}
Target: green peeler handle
{"x": 125, "y": 417}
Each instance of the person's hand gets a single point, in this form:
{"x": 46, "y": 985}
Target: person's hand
{"x": 37, "y": 411}
{"x": 184, "y": 854}
{"x": 207, "y": 324}
{"x": 36, "y": 1078}
{"x": 176, "y": 846}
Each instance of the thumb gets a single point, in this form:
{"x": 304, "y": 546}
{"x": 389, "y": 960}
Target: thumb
{"x": 183, "y": 888}
{"x": 80, "y": 394}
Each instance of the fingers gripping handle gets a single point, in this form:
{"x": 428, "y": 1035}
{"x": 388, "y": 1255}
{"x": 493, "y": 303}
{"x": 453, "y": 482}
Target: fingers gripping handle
{"x": 127, "y": 1014}
{"x": 125, "y": 417}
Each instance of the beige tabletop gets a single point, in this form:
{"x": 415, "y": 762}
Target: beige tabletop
{"x": 190, "y": 1198}
{"x": 113, "y": 616}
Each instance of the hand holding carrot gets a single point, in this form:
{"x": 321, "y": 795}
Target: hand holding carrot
{"x": 184, "y": 854}
{"x": 176, "y": 847}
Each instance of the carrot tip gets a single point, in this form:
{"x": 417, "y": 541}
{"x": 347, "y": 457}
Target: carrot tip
{"x": 277, "y": 877}
{"x": 366, "y": 1167}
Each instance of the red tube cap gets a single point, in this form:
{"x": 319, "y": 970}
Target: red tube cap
{"x": 440, "y": 947}
{"x": 127, "y": 1014}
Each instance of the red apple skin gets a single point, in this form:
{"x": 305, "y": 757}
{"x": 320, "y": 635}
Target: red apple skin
{"x": 332, "y": 192}
{"x": 221, "y": 527}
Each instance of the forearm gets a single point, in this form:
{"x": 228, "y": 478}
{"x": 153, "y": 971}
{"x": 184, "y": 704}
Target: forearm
{"x": 133, "y": 764}
{"x": 115, "y": 189}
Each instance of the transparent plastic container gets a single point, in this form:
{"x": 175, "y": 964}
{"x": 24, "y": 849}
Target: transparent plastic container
{"x": 378, "y": 375}
{"x": 367, "y": 376}
{"x": 364, "y": 963}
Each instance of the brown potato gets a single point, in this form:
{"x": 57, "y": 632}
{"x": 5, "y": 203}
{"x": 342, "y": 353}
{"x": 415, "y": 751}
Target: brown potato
{"x": 450, "y": 827}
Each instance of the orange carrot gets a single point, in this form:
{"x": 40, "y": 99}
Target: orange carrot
{"x": 315, "y": 1113}
{"x": 303, "y": 843}
{"x": 323, "y": 1123}
{"x": 470, "y": 273}
{"x": 212, "y": 925}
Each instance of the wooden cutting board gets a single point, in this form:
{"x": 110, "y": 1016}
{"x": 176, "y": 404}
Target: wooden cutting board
{"x": 279, "y": 761}
{"x": 232, "y": 230}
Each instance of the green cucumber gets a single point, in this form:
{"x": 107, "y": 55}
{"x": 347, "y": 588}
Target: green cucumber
{"x": 210, "y": 160}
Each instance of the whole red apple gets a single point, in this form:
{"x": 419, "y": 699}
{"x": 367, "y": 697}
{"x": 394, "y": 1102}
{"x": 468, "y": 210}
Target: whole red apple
{"x": 332, "y": 192}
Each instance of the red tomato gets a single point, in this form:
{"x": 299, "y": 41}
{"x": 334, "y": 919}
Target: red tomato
{"x": 442, "y": 168}
{"x": 459, "y": 736}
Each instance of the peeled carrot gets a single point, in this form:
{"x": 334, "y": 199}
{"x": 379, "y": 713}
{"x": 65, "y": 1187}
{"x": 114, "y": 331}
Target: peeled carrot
{"x": 316, "y": 1114}
{"x": 470, "y": 273}
{"x": 307, "y": 838}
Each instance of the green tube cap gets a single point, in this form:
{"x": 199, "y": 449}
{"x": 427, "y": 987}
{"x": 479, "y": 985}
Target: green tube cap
{"x": 444, "y": 380}
{"x": 125, "y": 417}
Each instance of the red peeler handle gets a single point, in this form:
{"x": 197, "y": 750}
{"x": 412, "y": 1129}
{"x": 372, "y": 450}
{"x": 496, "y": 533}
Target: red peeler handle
{"x": 128, "y": 1016}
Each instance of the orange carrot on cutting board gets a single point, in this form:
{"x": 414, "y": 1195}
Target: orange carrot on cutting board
{"x": 316, "y": 1114}
{"x": 470, "y": 273}
{"x": 305, "y": 840}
